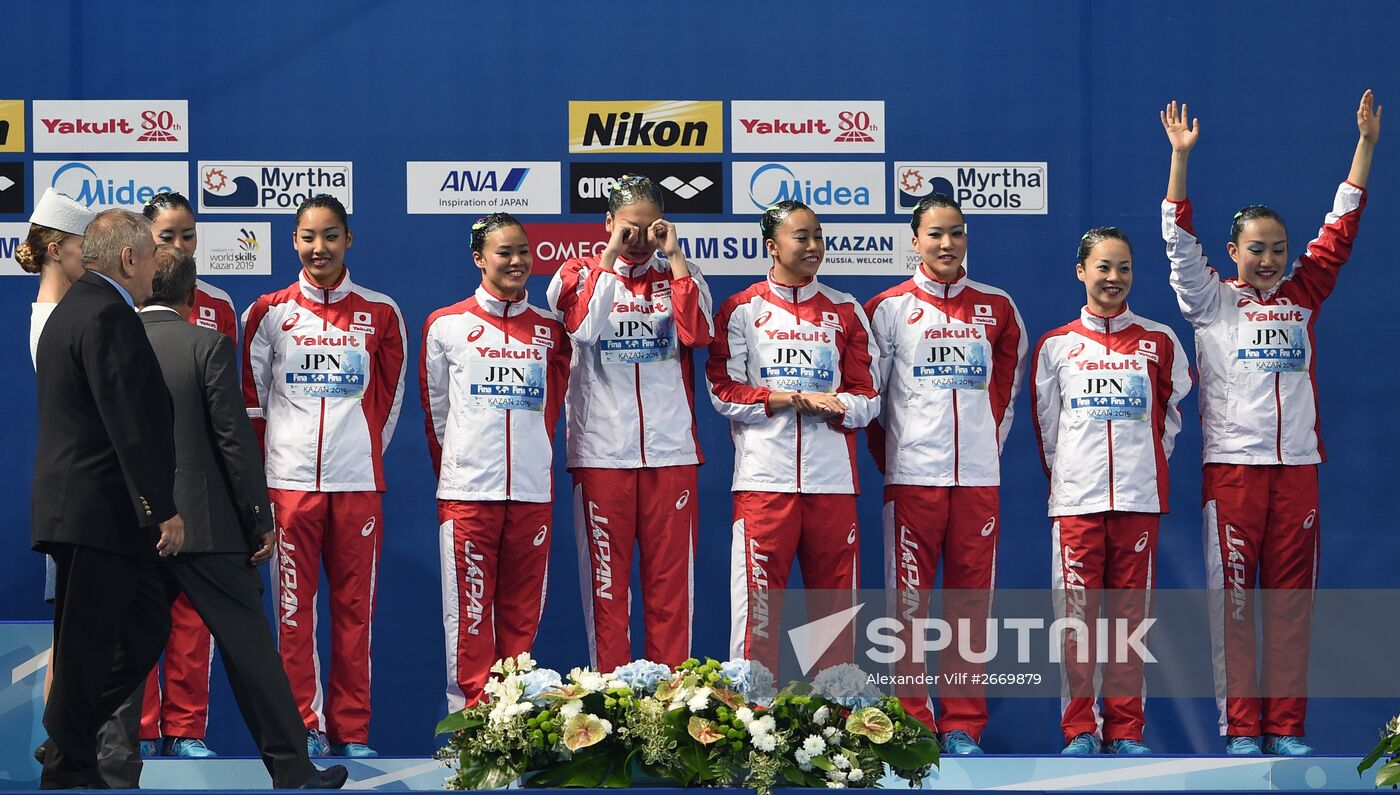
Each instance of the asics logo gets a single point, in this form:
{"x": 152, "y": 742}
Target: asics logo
{"x": 989, "y": 527}
{"x": 763, "y": 318}
{"x": 683, "y": 500}
{"x": 1311, "y": 520}
{"x": 541, "y": 535}
{"x": 1142, "y": 542}
{"x": 475, "y": 334}
{"x": 291, "y": 321}
{"x": 915, "y": 315}
{"x": 368, "y": 528}
{"x": 851, "y": 536}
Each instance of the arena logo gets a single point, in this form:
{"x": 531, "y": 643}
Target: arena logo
{"x": 828, "y": 188}
{"x": 687, "y": 187}
{"x": 799, "y": 126}
{"x": 483, "y": 187}
{"x": 646, "y": 126}
{"x": 11, "y": 125}
{"x": 979, "y": 188}
{"x": 103, "y": 185}
{"x": 111, "y": 125}
{"x": 249, "y": 187}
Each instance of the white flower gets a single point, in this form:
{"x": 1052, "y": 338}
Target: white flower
{"x": 833, "y": 736}
{"x": 835, "y": 785}
{"x": 763, "y": 725}
{"x": 836, "y": 775}
{"x": 592, "y": 681}
{"x": 744, "y": 714}
{"x": 840, "y": 762}
{"x": 570, "y": 709}
{"x": 822, "y": 715}
{"x": 802, "y": 757}
{"x": 814, "y": 745}
{"x": 765, "y": 742}
{"x": 700, "y": 700}
{"x": 856, "y": 774}
{"x": 805, "y": 767}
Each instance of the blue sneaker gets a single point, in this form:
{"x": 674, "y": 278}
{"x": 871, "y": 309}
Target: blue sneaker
{"x": 1284, "y": 745}
{"x": 316, "y": 743}
{"x": 1243, "y": 746}
{"x": 1083, "y": 744}
{"x": 187, "y": 747}
{"x": 149, "y": 749}
{"x": 354, "y": 751}
{"x": 1126, "y": 748}
{"x": 959, "y": 743}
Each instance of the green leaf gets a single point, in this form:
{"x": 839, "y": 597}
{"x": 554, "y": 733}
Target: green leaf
{"x": 478, "y": 774}
{"x": 458, "y": 721}
{"x": 697, "y": 762}
{"x": 1389, "y": 775}
{"x": 795, "y": 689}
{"x": 794, "y": 776}
{"x": 1372, "y": 758}
{"x": 822, "y": 763}
{"x": 586, "y": 769}
{"x": 908, "y": 757}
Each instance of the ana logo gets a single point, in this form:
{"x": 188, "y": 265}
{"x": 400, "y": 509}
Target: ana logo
{"x": 1075, "y": 351}
{"x": 476, "y": 181}
{"x": 989, "y": 527}
{"x": 368, "y": 528}
{"x": 248, "y": 241}
{"x": 475, "y": 333}
{"x": 915, "y": 315}
{"x": 683, "y": 500}
{"x": 290, "y": 321}
{"x": 762, "y": 319}
{"x": 1142, "y": 542}
{"x": 541, "y": 535}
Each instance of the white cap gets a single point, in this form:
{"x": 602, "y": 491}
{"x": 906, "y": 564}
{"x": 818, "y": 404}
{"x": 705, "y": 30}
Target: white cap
{"x": 57, "y": 211}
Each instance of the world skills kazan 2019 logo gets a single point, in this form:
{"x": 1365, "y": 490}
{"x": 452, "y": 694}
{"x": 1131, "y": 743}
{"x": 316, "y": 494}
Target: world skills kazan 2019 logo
{"x": 244, "y": 187}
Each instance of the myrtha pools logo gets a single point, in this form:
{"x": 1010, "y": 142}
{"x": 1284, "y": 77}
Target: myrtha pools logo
{"x": 241, "y": 187}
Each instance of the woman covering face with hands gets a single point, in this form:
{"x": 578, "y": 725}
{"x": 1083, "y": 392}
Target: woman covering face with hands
{"x": 793, "y": 369}
{"x": 634, "y": 314}
{"x": 1255, "y": 343}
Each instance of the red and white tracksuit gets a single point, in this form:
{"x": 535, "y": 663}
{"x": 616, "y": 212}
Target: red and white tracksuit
{"x": 1262, "y": 445}
{"x": 951, "y": 357}
{"x": 323, "y": 378}
{"x": 632, "y": 448}
{"x": 181, "y": 708}
{"x": 493, "y": 374}
{"x": 795, "y": 480}
{"x": 1106, "y": 391}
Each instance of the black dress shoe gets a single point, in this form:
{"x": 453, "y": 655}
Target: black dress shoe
{"x": 333, "y": 777}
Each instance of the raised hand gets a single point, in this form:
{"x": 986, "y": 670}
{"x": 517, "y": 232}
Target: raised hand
{"x": 1182, "y": 136}
{"x": 1368, "y": 118}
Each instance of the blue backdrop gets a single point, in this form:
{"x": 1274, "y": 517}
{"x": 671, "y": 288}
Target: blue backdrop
{"x": 1074, "y": 84}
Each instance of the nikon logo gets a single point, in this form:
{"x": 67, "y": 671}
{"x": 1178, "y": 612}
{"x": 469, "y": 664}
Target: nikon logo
{"x": 660, "y": 126}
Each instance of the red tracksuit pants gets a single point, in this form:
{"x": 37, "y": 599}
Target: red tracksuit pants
{"x": 1103, "y": 564}
{"x": 344, "y": 531}
{"x": 1261, "y": 525}
{"x": 656, "y": 509}
{"x": 770, "y": 530}
{"x": 958, "y": 524}
{"x": 495, "y": 563}
{"x": 181, "y": 708}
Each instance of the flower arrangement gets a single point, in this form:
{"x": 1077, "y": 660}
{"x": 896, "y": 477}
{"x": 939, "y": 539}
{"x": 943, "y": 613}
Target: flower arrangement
{"x": 706, "y": 723}
{"x": 1389, "y": 748}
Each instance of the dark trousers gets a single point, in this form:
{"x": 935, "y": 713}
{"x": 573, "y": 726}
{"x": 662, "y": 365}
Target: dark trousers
{"x": 226, "y": 591}
{"x": 111, "y": 620}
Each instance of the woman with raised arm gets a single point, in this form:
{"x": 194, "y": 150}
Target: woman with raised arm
{"x": 1255, "y": 336}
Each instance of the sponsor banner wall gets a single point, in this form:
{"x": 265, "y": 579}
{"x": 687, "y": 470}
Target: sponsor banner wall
{"x": 689, "y": 187}
{"x": 674, "y": 126}
{"x": 476, "y": 188}
{"x": 264, "y": 187}
{"x": 104, "y": 184}
{"x": 11, "y": 235}
{"x": 980, "y": 188}
{"x": 11, "y": 125}
{"x": 105, "y": 125}
{"x": 554, "y": 244}
{"x": 788, "y": 126}
{"x": 229, "y": 248}
{"x": 829, "y": 188}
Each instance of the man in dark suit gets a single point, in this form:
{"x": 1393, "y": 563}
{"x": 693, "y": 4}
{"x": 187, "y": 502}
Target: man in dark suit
{"x": 221, "y": 492}
{"x": 103, "y": 494}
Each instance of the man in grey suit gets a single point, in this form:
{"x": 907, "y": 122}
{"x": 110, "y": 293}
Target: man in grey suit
{"x": 221, "y": 492}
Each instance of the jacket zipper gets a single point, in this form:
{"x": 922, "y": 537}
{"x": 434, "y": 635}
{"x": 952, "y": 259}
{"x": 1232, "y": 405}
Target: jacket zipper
{"x": 1107, "y": 350}
{"x": 797, "y": 313}
{"x": 505, "y": 332}
{"x": 1278, "y": 414}
{"x": 321, "y": 423}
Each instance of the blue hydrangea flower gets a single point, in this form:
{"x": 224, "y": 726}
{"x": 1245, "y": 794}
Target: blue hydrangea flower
{"x": 536, "y": 682}
{"x": 847, "y": 685}
{"x": 751, "y": 678}
{"x": 642, "y": 676}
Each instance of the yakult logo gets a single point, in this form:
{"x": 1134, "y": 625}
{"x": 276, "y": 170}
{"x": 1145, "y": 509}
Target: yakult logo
{"x": 328, "y": 340}
{"x": 633, "y": 306}
{"x": 1274, "y": 316}
{"x": 792, "y": 335}
{"x": 959, "y": 333}
{"x": 362, "y": 323}
{"x": 487, "y": 352}
{"x": 1111, "y": 364}
{"x": 111, "y": 126}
